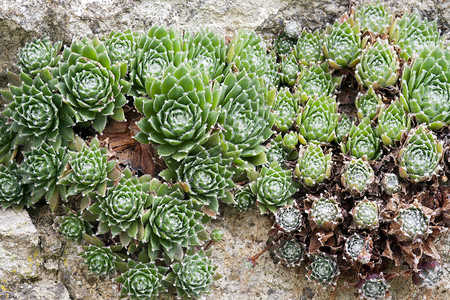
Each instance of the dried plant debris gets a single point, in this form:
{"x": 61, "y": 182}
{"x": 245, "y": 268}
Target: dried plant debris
{"x": 137, "y": 140}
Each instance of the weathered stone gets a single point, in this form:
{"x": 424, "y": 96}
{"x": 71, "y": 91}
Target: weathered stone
{"x": 19, "y": 251}
{"x": 43, "y": 290}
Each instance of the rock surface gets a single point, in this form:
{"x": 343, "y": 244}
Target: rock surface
{"x": 35, "y": 263}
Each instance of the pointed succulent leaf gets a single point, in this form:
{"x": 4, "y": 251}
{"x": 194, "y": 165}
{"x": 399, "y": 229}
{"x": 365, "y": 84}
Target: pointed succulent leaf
{"x": 73, "y": 227}
{"x": 174, "y": 222}
{"x": 155, "y": 51}
{"x": 363, "y": 141}
{"x": 342, "y": 44}
{"x": 323, "y": 269}
{"x": 90, "y": 84}
{"x": 368, "y": 104}
{"x": 420, "y": 156}
{"x": 426, "y": 87}
{"x": 392, "y": 122}
{"x": 7, "y": 138}
{"x": 207, "y": 50}
{"x": 274, "y": 188}
{"x": 358, "y": 176}
{"x": 309, "y": 48}
{"x": 373, "y": 287}
{"x": 88, "y": 170}
{"x": 100, "y": 260}
{"x": 318, "y": 120}
{"x": 13, "y": 192}
{"x": 313, "y": 165}
{"x": 379, "y": 66}
{"x": 208, "y": 174}
{"x": 38, "y": 54}
{"x": 373, "y": 17}
{"x": 414, "y": 34}
{"x": 343, "y": 127}
{"x": 38, "y": 113}
{"x": 244, "y": 198}
{"x": 142, "y": 281}
{"x": 181, "y": 111}
{"x": 290, "y": 252}
{"x": 194, "y": 275}
{"x": 325, "y": 213}
{"x": 316, "y": 81}
{"x": 285, "y": 108}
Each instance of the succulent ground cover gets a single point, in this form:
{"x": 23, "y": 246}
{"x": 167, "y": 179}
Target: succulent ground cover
{"x": 340, "y": 136}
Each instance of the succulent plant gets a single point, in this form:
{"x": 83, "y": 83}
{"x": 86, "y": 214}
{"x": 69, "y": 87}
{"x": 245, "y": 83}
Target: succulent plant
{"x": 41, "y": 168}
{"x": 343, "y": 128}
{"x": 390, "y": 183}
{"x": 282, "y": 148}
{"x": 155, "y": 51}
{"x": 426, "y": 87}
{"x": 342, "y": 44}
{"x": 273, "y": 188}
{"x": 420, "y": 155}
{"x": 193, "y": 275}
{"x": 289, "y": 70}
{"x": 207, "y": 175}
{"x": 284, "y": 44}
{"x": 373, "y": 287}
{"x": 373, "y": 17}
{"x": 379, "y": 66}
{"x": 89, "y": 169}
{"x": 313, "y": 165}
{"x": 180, "y": 113}
{"x": 290, "y": 252}
{"x": 412, "y": 223}
{"x": 37, "y": 112}
{"x": 309, "y": 48}
{"x": 414, "y": 34}
{"x": 121, "y": 46}
{"x": 37, "y": 55}
{"x": 100, "y": 260}
{"x": 73, "y": 227}
{"x": 366, "y": 214}
{"x": 121, "y": 209}
{"x": 142, "y": 281}
{"x": 216, "y": 235}
{"x": 316, "y": 81}
{"x": 244, "y": 198}
{"x": 358, "y": 248}
{"x": 289, "y": 218}
{"x": 357, "y": 176}
{"x": 207, "y": 51}
{"x": 285, "y": 108}
{"x": 362, "y": 141}
{"x": 91, "y": 85}
{"x": 325, "y": 213}
{"x": 7, "y": 138}
{"x": 318, "y": 120}
{"x": 323, "y": 269}
{"x": 368, "y": 104}
{"x": 392, "y": 122}
{"x": 173, "y": 223}
{"x": 428, "y": 274}
{"x": 248, "y": 52}
{"x": 246, "y": 118}
{"x": 12, "y": 192}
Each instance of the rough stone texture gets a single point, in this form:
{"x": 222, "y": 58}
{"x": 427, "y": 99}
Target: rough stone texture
{"x": 20, "y": 20}
{"x": 19, "y": 251}
{"x": 38, "y": 264}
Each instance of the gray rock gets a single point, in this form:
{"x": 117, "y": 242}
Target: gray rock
{"x": 42, "y": 290}
{"x": 19, "y": 250}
